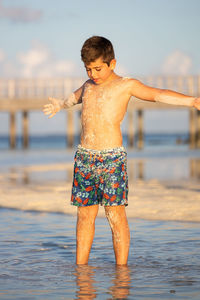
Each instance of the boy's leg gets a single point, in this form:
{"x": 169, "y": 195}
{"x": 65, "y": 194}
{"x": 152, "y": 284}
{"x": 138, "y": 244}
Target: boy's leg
{"x": 85, "y": 232}
{"x": 116, "y": 216}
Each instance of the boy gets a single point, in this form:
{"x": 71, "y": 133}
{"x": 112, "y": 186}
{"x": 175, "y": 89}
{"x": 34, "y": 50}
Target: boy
{"x": 100, "y": 168}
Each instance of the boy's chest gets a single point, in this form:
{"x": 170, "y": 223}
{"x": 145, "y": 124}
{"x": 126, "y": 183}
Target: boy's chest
{"x": 100, "y": 99}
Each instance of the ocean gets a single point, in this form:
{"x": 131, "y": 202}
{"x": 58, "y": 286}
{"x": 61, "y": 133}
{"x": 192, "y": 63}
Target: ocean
{"x": 38, "y": 252}
{"x": 38, "y": 224}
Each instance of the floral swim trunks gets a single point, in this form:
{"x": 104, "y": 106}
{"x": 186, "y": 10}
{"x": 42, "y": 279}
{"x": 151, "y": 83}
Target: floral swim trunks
{"x": 100, "y": 177}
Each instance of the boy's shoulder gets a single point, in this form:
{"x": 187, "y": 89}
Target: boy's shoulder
{"x": 127, "y": 83}
{"x": 129, "y": 80}
{"x": 131, "y": 84}
{"x": 87, "y": 82}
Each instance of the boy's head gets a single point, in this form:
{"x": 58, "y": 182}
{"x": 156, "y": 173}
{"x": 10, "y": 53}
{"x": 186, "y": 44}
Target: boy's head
{"x": 98, "y": 56}
{"x": 97, "y": 47}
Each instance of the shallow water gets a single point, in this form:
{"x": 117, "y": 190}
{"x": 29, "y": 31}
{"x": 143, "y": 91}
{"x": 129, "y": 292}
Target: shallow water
{"x": 37, "y": 254}
{"x": 37, "y": 250}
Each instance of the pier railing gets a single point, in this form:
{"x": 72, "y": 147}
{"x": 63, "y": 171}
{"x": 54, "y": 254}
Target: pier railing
{"x": 26, "y": 95}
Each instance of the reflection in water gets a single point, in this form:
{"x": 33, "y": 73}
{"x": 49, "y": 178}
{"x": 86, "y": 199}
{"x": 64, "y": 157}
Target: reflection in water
{"x": 85, "y": 281}
{"x": 120, "y": 283}
{"x": 137, "y": 169}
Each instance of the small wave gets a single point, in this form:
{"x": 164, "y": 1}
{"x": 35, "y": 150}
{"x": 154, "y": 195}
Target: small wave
{"x": 150, "y": 200}
{"x": 6, "y": 276}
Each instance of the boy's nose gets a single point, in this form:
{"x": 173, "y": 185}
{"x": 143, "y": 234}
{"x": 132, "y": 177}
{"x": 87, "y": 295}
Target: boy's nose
{"x": 93, "y": 73}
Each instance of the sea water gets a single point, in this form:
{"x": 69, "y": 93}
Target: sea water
{"x": 37, "y": 249}
{"x": 37, "y": 256}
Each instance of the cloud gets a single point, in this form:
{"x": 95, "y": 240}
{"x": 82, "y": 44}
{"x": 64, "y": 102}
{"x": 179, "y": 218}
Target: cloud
{"x": 38, "y": 62}
{"x": 35, "y": 56}
{"x": 60, "y": 68}
{"x": 177, "y": 63}
{"x": 19, "y": 14}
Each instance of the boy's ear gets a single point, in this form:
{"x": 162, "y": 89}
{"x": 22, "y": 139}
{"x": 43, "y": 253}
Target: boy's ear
{"x": 113, "y": 64}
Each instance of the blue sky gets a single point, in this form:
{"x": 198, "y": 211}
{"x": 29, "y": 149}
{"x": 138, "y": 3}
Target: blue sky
{"x": 43, "y": 38}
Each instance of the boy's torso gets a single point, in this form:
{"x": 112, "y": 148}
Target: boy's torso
{"x": 103, "y": 109}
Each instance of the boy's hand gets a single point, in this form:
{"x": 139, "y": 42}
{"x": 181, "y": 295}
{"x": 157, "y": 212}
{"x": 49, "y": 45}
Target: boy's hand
{"x": 196, "y": 103}
{"x": 52, "y": 108}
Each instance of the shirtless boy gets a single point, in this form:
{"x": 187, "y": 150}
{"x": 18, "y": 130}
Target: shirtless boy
{"x": 100, "y": 167}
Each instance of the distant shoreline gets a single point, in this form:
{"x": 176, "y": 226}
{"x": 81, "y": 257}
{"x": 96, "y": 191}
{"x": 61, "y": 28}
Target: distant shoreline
{"x": 58, "y": 141}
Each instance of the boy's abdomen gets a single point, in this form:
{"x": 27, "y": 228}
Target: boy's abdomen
{"x": 101, "y": 137}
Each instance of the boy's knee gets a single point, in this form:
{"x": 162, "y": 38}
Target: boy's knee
{"x": 115, "y": 214}
{"x": 87, "y": 214}
{"x": 117, "y": 210}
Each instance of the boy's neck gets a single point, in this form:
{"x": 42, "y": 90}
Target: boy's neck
{"x": 112, "y": 77}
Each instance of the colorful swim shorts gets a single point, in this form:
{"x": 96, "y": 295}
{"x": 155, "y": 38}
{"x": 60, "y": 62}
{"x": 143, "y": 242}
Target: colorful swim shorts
{"x": 100, "y": 177}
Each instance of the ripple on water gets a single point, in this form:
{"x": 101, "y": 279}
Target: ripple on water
{"x": 38, "y": 260}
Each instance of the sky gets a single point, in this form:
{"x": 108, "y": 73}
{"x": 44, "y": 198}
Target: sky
{"x": 43, "y": 38}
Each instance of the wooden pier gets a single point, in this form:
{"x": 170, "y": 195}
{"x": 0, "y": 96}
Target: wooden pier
{"x": 30, "y": 95}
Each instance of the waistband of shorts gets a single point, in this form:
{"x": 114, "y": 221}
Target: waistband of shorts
{"x": 103, "y": 151}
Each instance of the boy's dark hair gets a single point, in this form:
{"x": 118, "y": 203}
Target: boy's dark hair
{"x": 95, "y": 47}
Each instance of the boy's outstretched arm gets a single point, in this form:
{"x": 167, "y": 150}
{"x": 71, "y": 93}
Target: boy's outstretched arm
{"x": 57, "y": 104}
{"x": 148, "y": 93}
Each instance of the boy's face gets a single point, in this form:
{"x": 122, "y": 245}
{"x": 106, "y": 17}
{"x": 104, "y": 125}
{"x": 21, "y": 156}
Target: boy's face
{"x": 98, "y": 71}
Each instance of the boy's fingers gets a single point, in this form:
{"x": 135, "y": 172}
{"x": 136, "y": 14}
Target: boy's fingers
{"x": 48, "y": 105}
{"x": 47, "y": 109}
{"x": 53, "y": 114}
